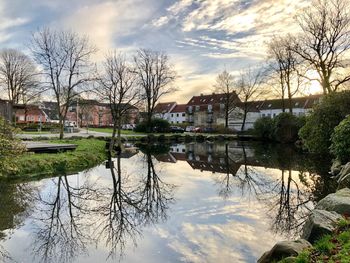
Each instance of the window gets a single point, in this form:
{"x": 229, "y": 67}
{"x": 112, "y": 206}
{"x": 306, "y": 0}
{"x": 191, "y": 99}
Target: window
{"x": 269, "y": 115}
{"x": 197, "y": 108}
{"x": 183, "y": 114}
{"x": 172, "y": 115}
{"x": 263, "y": 115}
{"x": 183, "y": 150}
{"x": 177, "y": 115}
{"x": 210, "y": 107}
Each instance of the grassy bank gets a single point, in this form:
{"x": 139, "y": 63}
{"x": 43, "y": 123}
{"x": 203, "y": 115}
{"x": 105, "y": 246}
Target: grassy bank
{"x": 89, "y": 153}
{"x": 330, "y": 248}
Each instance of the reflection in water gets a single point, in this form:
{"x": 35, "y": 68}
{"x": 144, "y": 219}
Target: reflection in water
{"x": 69, "y": 216}
{"x": 62, "y": 221}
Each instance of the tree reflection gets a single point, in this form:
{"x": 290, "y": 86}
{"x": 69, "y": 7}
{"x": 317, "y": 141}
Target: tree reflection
{"x": 61, "y": 228}
{"x": 16, "y": 206}
{"x": 132, "y": 205}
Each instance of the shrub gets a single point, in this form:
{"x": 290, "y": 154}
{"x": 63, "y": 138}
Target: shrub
{"x": 320, "y": 124}
{"x": 286, "y": 127}
{"x": 263, "y": 128}
{"x": 341, "y": 140}
{"x": 10, "y": 148}
{"x": 156, "y": 125}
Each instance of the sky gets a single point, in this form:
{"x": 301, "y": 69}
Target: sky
{"x": 201, "y": 37}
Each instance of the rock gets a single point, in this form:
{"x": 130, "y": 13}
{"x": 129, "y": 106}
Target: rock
{"x": 319, "y": 223}
{"x": 336, "y": 168}
{"x": 283, "y": 250}
{"x": 338, "y": 202}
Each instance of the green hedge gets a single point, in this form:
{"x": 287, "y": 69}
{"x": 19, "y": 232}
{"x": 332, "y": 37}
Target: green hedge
{"x": 340, "y": 146}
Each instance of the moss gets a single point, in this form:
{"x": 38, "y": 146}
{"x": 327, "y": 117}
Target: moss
{"x": 89, "y": 153}
{"x": 330, "y": 248}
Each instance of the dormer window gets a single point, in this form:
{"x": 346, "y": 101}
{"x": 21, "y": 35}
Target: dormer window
{"x": 297, "y": 104}
{"x": 211, "y": 99}
{"x": 270, "y": 105}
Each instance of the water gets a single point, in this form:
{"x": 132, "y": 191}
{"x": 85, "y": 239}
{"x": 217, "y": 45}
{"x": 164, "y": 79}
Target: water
{"x": 181, "y": 203}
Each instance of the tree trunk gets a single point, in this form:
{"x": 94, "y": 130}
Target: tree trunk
{"x": 61, "y": 127}
{"x": 244, "y": 118}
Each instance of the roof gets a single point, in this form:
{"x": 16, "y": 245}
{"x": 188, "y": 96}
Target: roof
{"x": 298, "y": 102}
{"x": 179, "y": 108}
{"x": 164, "y": 107}
{"x": 209, "y": 99}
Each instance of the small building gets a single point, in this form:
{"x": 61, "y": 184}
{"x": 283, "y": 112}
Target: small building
{"x": 163, "y": 110}
{"x": 178, "y": 114}
{"x": 30, "y": 114}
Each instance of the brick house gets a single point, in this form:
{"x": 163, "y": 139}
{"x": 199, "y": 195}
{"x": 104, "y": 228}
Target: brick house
{"x": 96, "y": 114}
{"x": 30, "y": 114}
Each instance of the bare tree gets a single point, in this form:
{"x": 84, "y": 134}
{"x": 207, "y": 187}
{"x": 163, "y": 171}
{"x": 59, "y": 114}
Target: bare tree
{"x": 225, "y": 85}
{"x": 118, "y": 88}
{"x": 155, "y": 76}
{"x": 248, "y": 88}
{"x": 325, "y": 42}
{"x": 285, "y": 63}
{"x": 18, "y": 77}
{"x": 65, "y": 60}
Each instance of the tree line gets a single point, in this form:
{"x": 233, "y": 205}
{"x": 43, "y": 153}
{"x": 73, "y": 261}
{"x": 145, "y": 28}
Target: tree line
{"x": 319, "y": 52}
{"x": 60, "y": 62}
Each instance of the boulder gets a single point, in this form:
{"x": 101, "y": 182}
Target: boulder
{"x": 319, "y": 223}
{"x": 283, "y": 250}
{"x": 336, "y": 168}
{"x": 338, "y": 202}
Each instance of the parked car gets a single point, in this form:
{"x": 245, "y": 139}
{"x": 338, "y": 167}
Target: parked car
{"x": 176, "y": 129}
{"x": 209, "y": 130}
{"x": 128, "y": 126}
{"x": 190, "y": 128}
{"x": 197, "y": 129}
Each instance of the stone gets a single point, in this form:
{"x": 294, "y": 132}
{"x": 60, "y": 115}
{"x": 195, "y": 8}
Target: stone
{"x": 320, "y": 223}
{"x": 283, "y": 250}
{"x": 336, "y": 168}
{"x": 338, "y": 202}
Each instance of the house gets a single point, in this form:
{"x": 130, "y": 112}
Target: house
{"x": 178, "y": 114}
{"x": 50, "y": 109}
{"x": 270, "y": 108}
{"x": 30, "y": 114}
{"x": 207, "y": 110}
{"x": 163, "y": 110}
{"x": 300, "y": 105}
{"x": 85, "y": 113}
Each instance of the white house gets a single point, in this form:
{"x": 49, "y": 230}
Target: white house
{"x": 162, "y": 110}
{"x": 178, "y": 114}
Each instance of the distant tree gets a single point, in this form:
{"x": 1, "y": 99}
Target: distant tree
{"x": 285, "y": 64}
{"x": 325, "y": 41}
{"x": 225, "y": 85}
{"x": 155, "y": 76}
{"x": 18, "y": 77}
{"x": 64, "y": 57}
{"x": 118, "y": 88}
{"x": 248, "y": 88}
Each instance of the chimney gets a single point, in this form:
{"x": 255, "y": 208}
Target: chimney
{"x": 201, "y": 94}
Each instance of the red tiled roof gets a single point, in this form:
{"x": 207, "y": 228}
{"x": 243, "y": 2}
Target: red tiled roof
{"x": 179, "y": 108}
{"x": 164, "y": 107}
{"x": 208, "y": 99}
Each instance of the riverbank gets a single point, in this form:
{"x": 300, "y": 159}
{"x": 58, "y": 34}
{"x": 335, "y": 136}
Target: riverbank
{"x": 325, "y": 236}
{"x": 89, "y": 153}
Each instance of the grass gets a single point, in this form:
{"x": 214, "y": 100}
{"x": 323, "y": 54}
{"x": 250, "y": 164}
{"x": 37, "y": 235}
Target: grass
{"x": 89, "y": 153}
{"x": 333, "y": 248}
{"x": 110, "y": 130}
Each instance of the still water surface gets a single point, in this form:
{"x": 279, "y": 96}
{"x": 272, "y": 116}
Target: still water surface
{"x": 181, "y": 203}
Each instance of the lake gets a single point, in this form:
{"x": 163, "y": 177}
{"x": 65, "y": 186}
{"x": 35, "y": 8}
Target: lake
{"x": 209, "y": 202}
